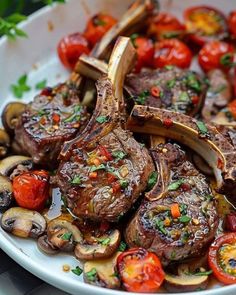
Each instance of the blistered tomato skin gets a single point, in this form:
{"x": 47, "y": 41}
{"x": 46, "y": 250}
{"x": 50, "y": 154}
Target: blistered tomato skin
{"x": 232, "y": 24}
{"x": 145, "y": 53}
{"x": 140, "y": 271}
{"x": 216, "y": 55}
{"x": 97, "y": 27}
{"x": 70, "y": 48}
{"x": 172, "y": 52}
{"x": 222, "y": 258}
{"x": 31, "y": 189}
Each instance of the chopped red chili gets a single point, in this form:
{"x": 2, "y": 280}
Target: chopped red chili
{"x": 104, "y": 152}
{"x": 56, "y": 118}
{"x": 185, "y": 186}
{"x": 220, "y": 164}
{"x": 155, "y": 91}
{"x": 116, "y": 187}
{"x": 167, "y": 122}
{"x": 42, "y": 121}
{"x": 195, "y": 99}
{"x": 111, "y": 178}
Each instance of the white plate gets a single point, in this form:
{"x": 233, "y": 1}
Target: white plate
{"x": 37, "y": 57}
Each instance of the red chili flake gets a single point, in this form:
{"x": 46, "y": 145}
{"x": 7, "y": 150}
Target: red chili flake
{"x": 167, "y": 122}
{"x": 111, "y": 177}
{"x": 56, "y": 118}
{"x": 195, "y": 99}
{"x": 104, "y": 152}
{"x": 155, "y": 91}
{"x": 185, "y": 187}
{"x": 116, "y": 187}
{"x": 46, "y": 91}
{"x": 220, "y": 164}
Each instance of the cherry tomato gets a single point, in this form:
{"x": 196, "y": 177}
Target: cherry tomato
{"x": 145, "y": 52}
{"x": 31, "y": 189}
{"x": 165, "y": 26}
{"x": 204, "y": 24}
{"x": 172, "y": 52}
{"x": 97, "y": 26}
{"x": 70, "y": 48}
{"x": 140, "y": 271}
{"x": 232, "y": 108}
{"x": 216, "y": 55}
{"x": 232, "y": 23}
{"x": 222, "y": 258}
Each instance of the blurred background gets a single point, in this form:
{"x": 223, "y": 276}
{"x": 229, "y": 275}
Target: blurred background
{"x": 26, "y": 7}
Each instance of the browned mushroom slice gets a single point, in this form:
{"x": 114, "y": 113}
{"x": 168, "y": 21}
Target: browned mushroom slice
{"x": 186, "y": 281}
{"x": 23, "y": 223}
{"x": 102, "y": 247}
{"x": 11, "y": 114}
{"x": 131, "y": 21}
{"x": 6, "y": 193}
{"x": 102, "y": 272}
{"x": 204, "y": 139}
{"x": 45, "y": 246}
{"x": 4, "y": 143}
{"x": 63, "y": 235}
{"x": 14, "y": 165}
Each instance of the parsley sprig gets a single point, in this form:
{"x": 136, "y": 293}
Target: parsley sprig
{"x": 8, "y": 26}
{"x": 20, "y": 87}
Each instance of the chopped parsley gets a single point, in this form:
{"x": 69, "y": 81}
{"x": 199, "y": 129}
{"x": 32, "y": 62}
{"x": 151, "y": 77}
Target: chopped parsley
{"x": 133, "y": 38}
{"x": 171, "y": 83}
{"x": 119, "y": 155}
{"x": 184, "y": 96}
{"x": 169, "y": 67}
{"x": 122, "y": 246}
{"x": 98, "y": 22}
{"x": 184, "y": 219}
{"x": 123, "y": 183}
{"x": 8, "y": 26}
{"x": 50, "y": 2}
{"x": 183, "y": 208}
{"x": 96, "y": 168}
{"x": 175, "y": 185}
{"x": 202, "y": 128}
{"x": 152, "y": 180}
{"x": 194, "y": 83}
{"x": 226, "y": 60}
{"x": 21, "y": 87}
{"x": 203, "y": 273}
{"x": 91, "y": 275}
{"x": 66, "y": 236}
{"x": 160, "y": 226}
{"x": 76, "y": 180}
{"x": 102, "y": 119}
{"x": 75, "y": 116}
{"x": 104, "y": 242}
{"x": 141, "y": 98}
{"x": 77, "y": 271}
{"x": 41, "y": 85}
{"x": 185, "y": 236}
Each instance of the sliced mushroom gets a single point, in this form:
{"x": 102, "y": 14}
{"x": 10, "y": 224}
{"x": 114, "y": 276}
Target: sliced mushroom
{"x": 63, "y": 235}
{"x": 12, "y": 163}
{"x": 6, "y": 193}
{"x": 45, "y": 246}
{"x": 98, "y": 248}
{"x": 4, "y": 143}
{"x": 23, "y": 223}
{"x": 204, "y": 139}
{"x": 186, "y": 281}
{"x": 102, "y": 272}
{"x": 11, "y": 114}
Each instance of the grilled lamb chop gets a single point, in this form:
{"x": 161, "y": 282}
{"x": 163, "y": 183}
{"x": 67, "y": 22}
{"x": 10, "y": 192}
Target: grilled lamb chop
{"x": 205, "y": 139}
{"x": 55, "y": 116}
{"x": 104, "y": 170}
{"x": 154, "y": 227}
{"x": 176, "y": 89}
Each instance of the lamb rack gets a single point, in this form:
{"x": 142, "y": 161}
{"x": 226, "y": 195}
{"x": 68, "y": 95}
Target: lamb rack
{"x": 104, "y": 170}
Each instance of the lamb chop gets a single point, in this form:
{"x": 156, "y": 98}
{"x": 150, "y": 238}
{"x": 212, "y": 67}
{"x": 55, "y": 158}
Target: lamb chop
{"x": 155, "y": 226}
{"x": 104, "y": 170}
{"x": 56, "y": 115}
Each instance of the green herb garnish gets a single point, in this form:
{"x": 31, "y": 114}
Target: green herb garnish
{"x": 160, "y": 226}
{"x": 41, "y": 85}
{"x": 169, "y": 67}
{"x": 183, "y": 208}
{"x": 122, "y": 246}
{"x": 99, "y": 22}
{"x": 96, "y": 168}
{"x": 141, "y": 98}
{"x": 184, "y": 96}
{"x": 77, "y": 271}
{"x": 175, "y": 185}
{"x": 226, "y": 60}
{"x": 202, "y": 127}
{"x": 133, "y": 38}
{"x": 75, "y": 116}
{"x": 119, "y": 155}
{"x": 152, "y": 180}
{"x": 66, "y": 236}
{"x": 169, "y": 35}
{"x": 203, "y": 273}
{"x": 104, "y": 242}
{"x": 194, "y": 83}
{"x": 8, "y": 26}
{"x": 76, "y": 180}
{"x": 184, "y": 219}
{"x": 21, "y": 87}
{"x": 171, "y": 83}
{"x": 50, "y": 2}
{"x": 123, "y": 183}
{"x": 102, "y": 119}
{"x": 91, "y": 275}
{"x": 185, "y": 236}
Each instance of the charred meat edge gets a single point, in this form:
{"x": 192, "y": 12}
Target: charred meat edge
{"x": 212, "y": 145}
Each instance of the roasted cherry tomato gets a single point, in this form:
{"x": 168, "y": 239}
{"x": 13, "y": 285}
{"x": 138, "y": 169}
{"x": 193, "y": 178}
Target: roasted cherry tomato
{"x": 232, "y": 108}
{"x": 145, "y": 52}
{"x": 204, "y": 24}
{"x": 172, "y": 52}
{"x": 216, "y": 55}
{"x": 140, "y": 271}
{"x": 222, "y": 258}
{"x": 165, "y": 26}
{"x": 232, "y": 23}
{"x": 97, "y": 26}
{"x": 70, "y": 48}
{"x": 31, "y": 189}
